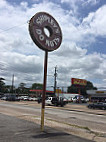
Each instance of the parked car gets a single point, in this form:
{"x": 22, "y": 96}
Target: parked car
{"x": 3, "y": 98}
{"x": 31, "y": 99}
{"x": 12, "y": 97}
{"x": 87, "y": 99}
{"x": 78, "y": 99}
{"x": 99, "y": 105}
{"x": 25, "y": 98}
{"x": 19, "y": 97}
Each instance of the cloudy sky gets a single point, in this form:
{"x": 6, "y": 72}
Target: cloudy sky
{"x": 82, "y": 53}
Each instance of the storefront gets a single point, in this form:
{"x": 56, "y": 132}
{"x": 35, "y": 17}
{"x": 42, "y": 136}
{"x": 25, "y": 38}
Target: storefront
{"x": 97, "y": 95}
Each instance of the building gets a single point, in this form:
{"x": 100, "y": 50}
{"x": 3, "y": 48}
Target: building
{"x": 38, "y": 93}
{"x": 97, "y": 95}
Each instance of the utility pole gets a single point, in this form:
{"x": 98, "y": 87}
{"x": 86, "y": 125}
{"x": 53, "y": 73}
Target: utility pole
{"x": 55, "y": 82}
{"x": 12, "y": 83}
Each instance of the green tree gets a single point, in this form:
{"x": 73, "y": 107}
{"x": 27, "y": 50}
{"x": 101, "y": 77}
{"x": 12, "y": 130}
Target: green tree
{"x": 37, "y": 86}
{"x": 8, "y": 88}
{"x": 21, "y": 88}
{"x": 2, "y": 85}
{"x": 22, "y": 85}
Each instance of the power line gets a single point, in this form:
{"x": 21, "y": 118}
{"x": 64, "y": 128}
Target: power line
{"x": 14, "y": 69}
{"x": 5, "y": 30}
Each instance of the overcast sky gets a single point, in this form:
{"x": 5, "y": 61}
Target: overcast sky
{"x": 82, "y": 53}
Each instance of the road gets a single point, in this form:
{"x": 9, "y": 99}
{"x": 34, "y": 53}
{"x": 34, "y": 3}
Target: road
{"x": 74, "y": 119}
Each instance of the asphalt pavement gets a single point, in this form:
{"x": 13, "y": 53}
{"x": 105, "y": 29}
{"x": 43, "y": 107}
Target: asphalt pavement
{"x": 13, "y": 129}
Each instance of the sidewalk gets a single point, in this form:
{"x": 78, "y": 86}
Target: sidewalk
{"x": 13, "y": 129}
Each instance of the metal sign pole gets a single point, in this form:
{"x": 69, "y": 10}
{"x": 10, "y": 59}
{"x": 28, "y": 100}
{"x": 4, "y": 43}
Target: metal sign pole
{"x": 44, "y": 90}
{"x": 45, "y": 42}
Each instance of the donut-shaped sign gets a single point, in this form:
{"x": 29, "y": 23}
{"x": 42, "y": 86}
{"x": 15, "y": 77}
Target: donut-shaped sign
{"x": 45, "y": 31}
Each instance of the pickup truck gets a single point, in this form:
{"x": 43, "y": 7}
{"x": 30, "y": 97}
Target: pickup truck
{"x": 56, "y": 101}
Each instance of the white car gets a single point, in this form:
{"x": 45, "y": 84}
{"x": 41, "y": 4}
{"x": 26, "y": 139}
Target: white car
{"x": 25, "y": 98}
{"x": 32, "y": 99}
{"x": 3, "y": 98}
{"x": 49, "y": 101}
{"x": 87, "y": 99}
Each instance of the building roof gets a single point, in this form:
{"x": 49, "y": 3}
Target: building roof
{"x": 36, "y": 90}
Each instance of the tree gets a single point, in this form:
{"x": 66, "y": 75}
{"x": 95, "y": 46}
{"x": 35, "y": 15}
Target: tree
{"x": 22, "y": 85}
{"x": 72, "y": 89}
{"x": 37, "y": 86}
{"x": 8, "y": 89}
{"x": 21, "y": 88}
{"x": 2, "y": 85}
{"x": 75, "y": 89}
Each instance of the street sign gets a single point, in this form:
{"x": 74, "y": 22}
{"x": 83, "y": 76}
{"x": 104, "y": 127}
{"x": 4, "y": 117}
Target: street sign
{"x": 38, "y": 25}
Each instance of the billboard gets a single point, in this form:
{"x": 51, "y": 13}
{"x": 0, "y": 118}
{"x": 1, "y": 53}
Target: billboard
{"x": 77, "y": 81}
